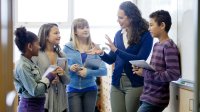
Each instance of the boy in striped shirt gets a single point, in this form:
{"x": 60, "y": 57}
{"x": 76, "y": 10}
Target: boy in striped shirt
{"x": 166, "y": 62}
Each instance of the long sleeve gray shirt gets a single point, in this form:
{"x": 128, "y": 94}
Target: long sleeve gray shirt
{"x": 56, "y": 97}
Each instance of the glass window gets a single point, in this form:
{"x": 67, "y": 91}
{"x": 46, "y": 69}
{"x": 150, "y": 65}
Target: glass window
{"x": 149, "y": 6}
{"x": 97, "y": 12}
{"x": 101, "y": 15}
{"x": 42, "y": 10}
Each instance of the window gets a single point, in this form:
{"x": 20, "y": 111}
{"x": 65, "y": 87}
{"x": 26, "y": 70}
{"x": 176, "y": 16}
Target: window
{"x": 42, "y": 10}
{"x": 97, "y": 12}
{"x": 35, "y": 12}
{"x": 101, "y": 15}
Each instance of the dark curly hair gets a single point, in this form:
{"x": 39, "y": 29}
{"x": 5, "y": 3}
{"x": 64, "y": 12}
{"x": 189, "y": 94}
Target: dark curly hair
{"x": 23, "y": 37}
{"x": 162, "y": 16}
{"x": 139, "y": 24}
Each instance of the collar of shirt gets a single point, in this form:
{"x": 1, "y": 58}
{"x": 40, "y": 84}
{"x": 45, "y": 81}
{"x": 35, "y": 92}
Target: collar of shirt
{"x": 125, "y": 39}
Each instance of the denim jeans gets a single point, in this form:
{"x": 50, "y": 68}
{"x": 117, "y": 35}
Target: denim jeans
{"x": 46, "y": 110}
{"x": 82, "y": 102}
{"x": 147, "y": 107}
{"x": 31, "y": 105}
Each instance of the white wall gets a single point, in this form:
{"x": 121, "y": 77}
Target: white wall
{"x": 186, "y": 37}
{"x": 182, "y": 30}
{"x": 148, "y": 6}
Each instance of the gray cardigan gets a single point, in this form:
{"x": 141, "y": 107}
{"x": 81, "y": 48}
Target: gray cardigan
{"x": 55, "y": 101}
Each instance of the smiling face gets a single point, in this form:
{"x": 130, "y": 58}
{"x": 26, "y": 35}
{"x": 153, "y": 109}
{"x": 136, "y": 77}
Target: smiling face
{"x": 123, "y": 19}
{"x": 82, "y": 31}
{"x": 54, "y": 36}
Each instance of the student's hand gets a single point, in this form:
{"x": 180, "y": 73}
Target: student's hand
{"x": 74, "y": 68}
{"x": 53, "y": 76}
{"x": 60, "y": 71}
{"x": 95, "y": 50}
{"x": 82, "y": 72}
{"x": 56, "y": 80}
{"x": 55, "y": 72}
{"x": 137, "y": 70}
{"x": 110, "y": 44}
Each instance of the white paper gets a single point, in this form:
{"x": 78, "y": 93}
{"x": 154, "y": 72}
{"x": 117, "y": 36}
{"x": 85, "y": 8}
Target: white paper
{"x": 142, "y": 64}
{"x": 49, "y": 69}
{"x": 10, "y": 97}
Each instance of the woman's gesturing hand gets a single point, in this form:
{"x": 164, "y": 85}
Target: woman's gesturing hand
{"x": 95, "y": 50}
{"x": 110, "y": 44}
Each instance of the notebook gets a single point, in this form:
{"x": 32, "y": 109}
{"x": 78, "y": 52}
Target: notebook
{"x": 142, "y": 64}
{"x": 49, "y": 69}
{"x": 61, "y": 62}
{"x": 92, "y": 63}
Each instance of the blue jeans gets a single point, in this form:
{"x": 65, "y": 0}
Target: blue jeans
{"x": 31, "y": 105}
{"x": 82, "y": 102}
{"x": 147, "y": 107}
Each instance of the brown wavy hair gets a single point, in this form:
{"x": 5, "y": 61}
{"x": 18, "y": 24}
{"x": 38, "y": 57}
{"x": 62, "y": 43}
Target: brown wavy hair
{"x": 139, "y": 24}
{"x": 43, "y": 35}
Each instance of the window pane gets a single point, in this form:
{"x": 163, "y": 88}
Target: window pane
{"x": 98, "y": 34}
{"x": 97, "y": 12}
{"x": 42, "y": 10}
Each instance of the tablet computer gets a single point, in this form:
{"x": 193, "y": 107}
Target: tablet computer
{"x": 142, "y": 64}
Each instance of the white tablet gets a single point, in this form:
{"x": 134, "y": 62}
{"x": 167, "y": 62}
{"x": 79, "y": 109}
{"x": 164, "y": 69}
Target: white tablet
{"x": 92, "y": 63}
{"x": 142, "y": 64}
